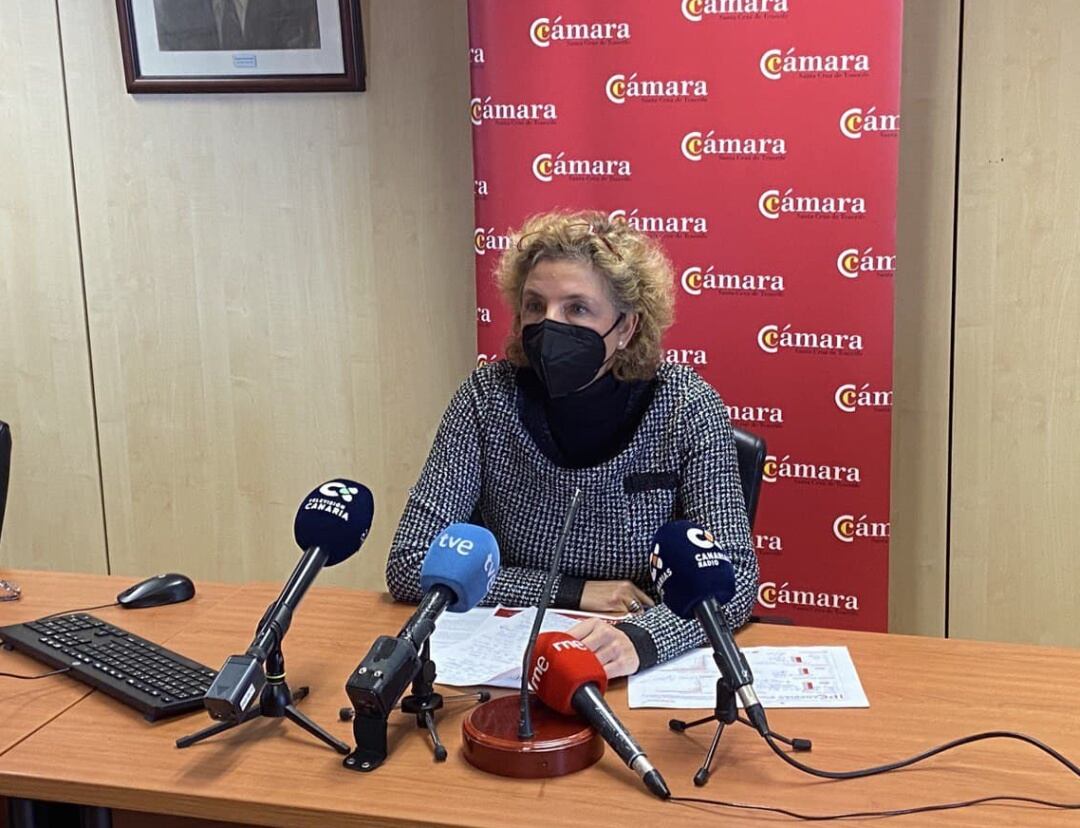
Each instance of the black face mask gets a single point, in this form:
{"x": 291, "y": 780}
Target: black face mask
{"x": 566, "y": 358}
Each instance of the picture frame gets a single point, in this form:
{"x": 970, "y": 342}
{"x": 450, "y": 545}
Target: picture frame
{"x": 192, "y": 46}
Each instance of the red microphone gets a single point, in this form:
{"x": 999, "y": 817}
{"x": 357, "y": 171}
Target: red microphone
{"x": 568, "y": 677}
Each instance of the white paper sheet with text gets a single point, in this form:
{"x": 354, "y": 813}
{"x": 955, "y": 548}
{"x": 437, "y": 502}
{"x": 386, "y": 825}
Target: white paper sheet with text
{"x": 486, "y": 648}
{"x": 783, "y": 677}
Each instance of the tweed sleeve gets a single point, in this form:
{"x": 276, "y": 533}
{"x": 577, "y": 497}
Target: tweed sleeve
{"x": 448, "y": 491}
{"x": 710, "y": 493}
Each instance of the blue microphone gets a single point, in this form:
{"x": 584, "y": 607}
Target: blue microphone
{"x": 695, "y": 576}
{"x": 458, "y": 570}
{"x": 330, "y": 526}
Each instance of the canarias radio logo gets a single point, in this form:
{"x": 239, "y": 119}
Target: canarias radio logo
{"x": 696, "y": 279}
{"x": 850, "y": 397}
{"x": 856, "y": 122}
{"x": 544, "y": 31}
{"x": 547, "y": 166}
{"x": 851, "y": 263}
{"x": 775, "y": 338}
{"x": 847, "y": 528}
{"x": 784, "y": 468}
{"x": 775, "y": 64}
{"x": 755, "y": 415}
{"x": 621, "y": 87}
{"x": 485, "y": 239}
{"x": 483, "y": 316}
{"x": 662, "y": 226}
{"x": 774, "y": 203}
{"x": 697, "y": 10}
{"x": 772, "y": 595}
{"x": 697, "y": 145}
{"x": 483, "y": 110}
{"x": 486, "y": 359}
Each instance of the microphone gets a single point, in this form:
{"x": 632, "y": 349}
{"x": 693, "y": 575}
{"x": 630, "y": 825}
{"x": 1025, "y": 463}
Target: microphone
{"x": 567, "y": 677}
{"x": 695, "y": 576}
{"x": 458, "y": 571}
{"x": 330, "y": 526}
{"x": 525, "y": 728}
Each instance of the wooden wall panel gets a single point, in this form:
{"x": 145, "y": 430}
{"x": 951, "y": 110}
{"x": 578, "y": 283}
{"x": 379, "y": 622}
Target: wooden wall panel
{"x": 920, "y": 446}
{"x": 280, "y": 290}
{"x": 53, "y": 518}
{"x": 1016, "y": 462}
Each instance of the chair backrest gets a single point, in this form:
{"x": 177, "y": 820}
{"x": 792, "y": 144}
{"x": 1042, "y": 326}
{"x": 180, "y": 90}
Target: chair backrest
{"x": 750, "y": 450}
{"x": 5, "y": 468}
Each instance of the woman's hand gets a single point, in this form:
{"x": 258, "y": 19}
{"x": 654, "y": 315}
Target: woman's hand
{"x": 613, "y": 596}
{"x": 611, "y": 645}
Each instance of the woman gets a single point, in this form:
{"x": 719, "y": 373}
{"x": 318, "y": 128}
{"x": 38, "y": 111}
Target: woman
{"x": 583, "y": 400}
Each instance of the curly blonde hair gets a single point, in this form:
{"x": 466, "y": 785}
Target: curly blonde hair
{"x": 639, "y": 278}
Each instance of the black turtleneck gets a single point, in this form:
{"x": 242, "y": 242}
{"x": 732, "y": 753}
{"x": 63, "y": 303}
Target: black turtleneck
{"x": 585, "y": 428}
{"x": 580, "y": 430}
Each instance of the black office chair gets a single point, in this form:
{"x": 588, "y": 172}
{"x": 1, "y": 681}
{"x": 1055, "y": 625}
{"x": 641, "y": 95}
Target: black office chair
{"x": 750, "y": 450}
{"x": 5, "y": 468}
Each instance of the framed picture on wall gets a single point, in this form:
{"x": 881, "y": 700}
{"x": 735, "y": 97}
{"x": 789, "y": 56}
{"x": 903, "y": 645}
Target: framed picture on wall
{"x": 241, "y": 45}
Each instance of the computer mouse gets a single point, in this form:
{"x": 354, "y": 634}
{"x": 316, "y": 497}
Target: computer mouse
{"x": 170, "y": 588}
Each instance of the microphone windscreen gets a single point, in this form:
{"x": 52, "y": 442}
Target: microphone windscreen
{"x": 464, "y": 558}
{"x": 560, "y": 665}
{"x": 688, "y": 566}
{"x": 336, "y": 517}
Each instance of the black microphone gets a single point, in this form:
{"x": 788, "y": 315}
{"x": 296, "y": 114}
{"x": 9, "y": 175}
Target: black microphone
{"x": 695, "y": 576}
{"x": 525, "y": 729}
{"x": 331, "y": 525}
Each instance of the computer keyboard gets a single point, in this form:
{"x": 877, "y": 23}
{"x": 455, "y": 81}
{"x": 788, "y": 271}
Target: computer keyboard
{"x": 155, "y": 681}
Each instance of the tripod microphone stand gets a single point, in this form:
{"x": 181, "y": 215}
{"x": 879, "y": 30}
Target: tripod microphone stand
{"x": 276, "y": 701}
{"x": 422, "y": 702}
{"x": 725, "y": 713}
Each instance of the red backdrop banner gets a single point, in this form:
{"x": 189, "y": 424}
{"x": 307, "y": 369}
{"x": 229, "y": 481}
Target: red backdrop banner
{"x": 757, "y": 139}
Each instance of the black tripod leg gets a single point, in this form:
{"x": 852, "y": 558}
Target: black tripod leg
{"x": 702, "y": 776}
{"x": 481, "y": 696}
{"x": 428, "y": 721}
{"x": 299, "y": 718}
{"x": 299, "y": 693}
{"x": 220, "y": 727}
{"x": 678, "y": 725}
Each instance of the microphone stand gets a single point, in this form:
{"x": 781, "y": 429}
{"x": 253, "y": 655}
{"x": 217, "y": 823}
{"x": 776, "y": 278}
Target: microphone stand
{"x": 525, "y": 728}
{"x": 507, "y": 737}
{"x": 423, "y": 702}
{"x": 725, "y": 713}
{"x": 276, "y": 701}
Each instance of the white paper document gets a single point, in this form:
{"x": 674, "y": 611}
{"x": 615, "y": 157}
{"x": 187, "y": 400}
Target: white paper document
{"x": 783, "y": 677}
{"x": 485, "y": 646}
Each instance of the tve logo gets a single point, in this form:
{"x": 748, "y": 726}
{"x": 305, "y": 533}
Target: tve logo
{"x": 463, "y": 546}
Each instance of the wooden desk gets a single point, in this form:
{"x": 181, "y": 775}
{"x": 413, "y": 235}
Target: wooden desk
{"x": 26, "y": 706}
{"x": 922, "y": 692}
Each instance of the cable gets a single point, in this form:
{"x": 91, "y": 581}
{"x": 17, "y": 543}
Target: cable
{"x": 903, "y": 763}
{"x": 31, "y": 678}
{"x": 79, "y": 609}
{"x": 800, "y": 745}
{"x": 921, "y": 809}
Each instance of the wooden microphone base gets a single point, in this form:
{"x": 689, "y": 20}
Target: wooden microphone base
{"x": 561, "y": 744}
